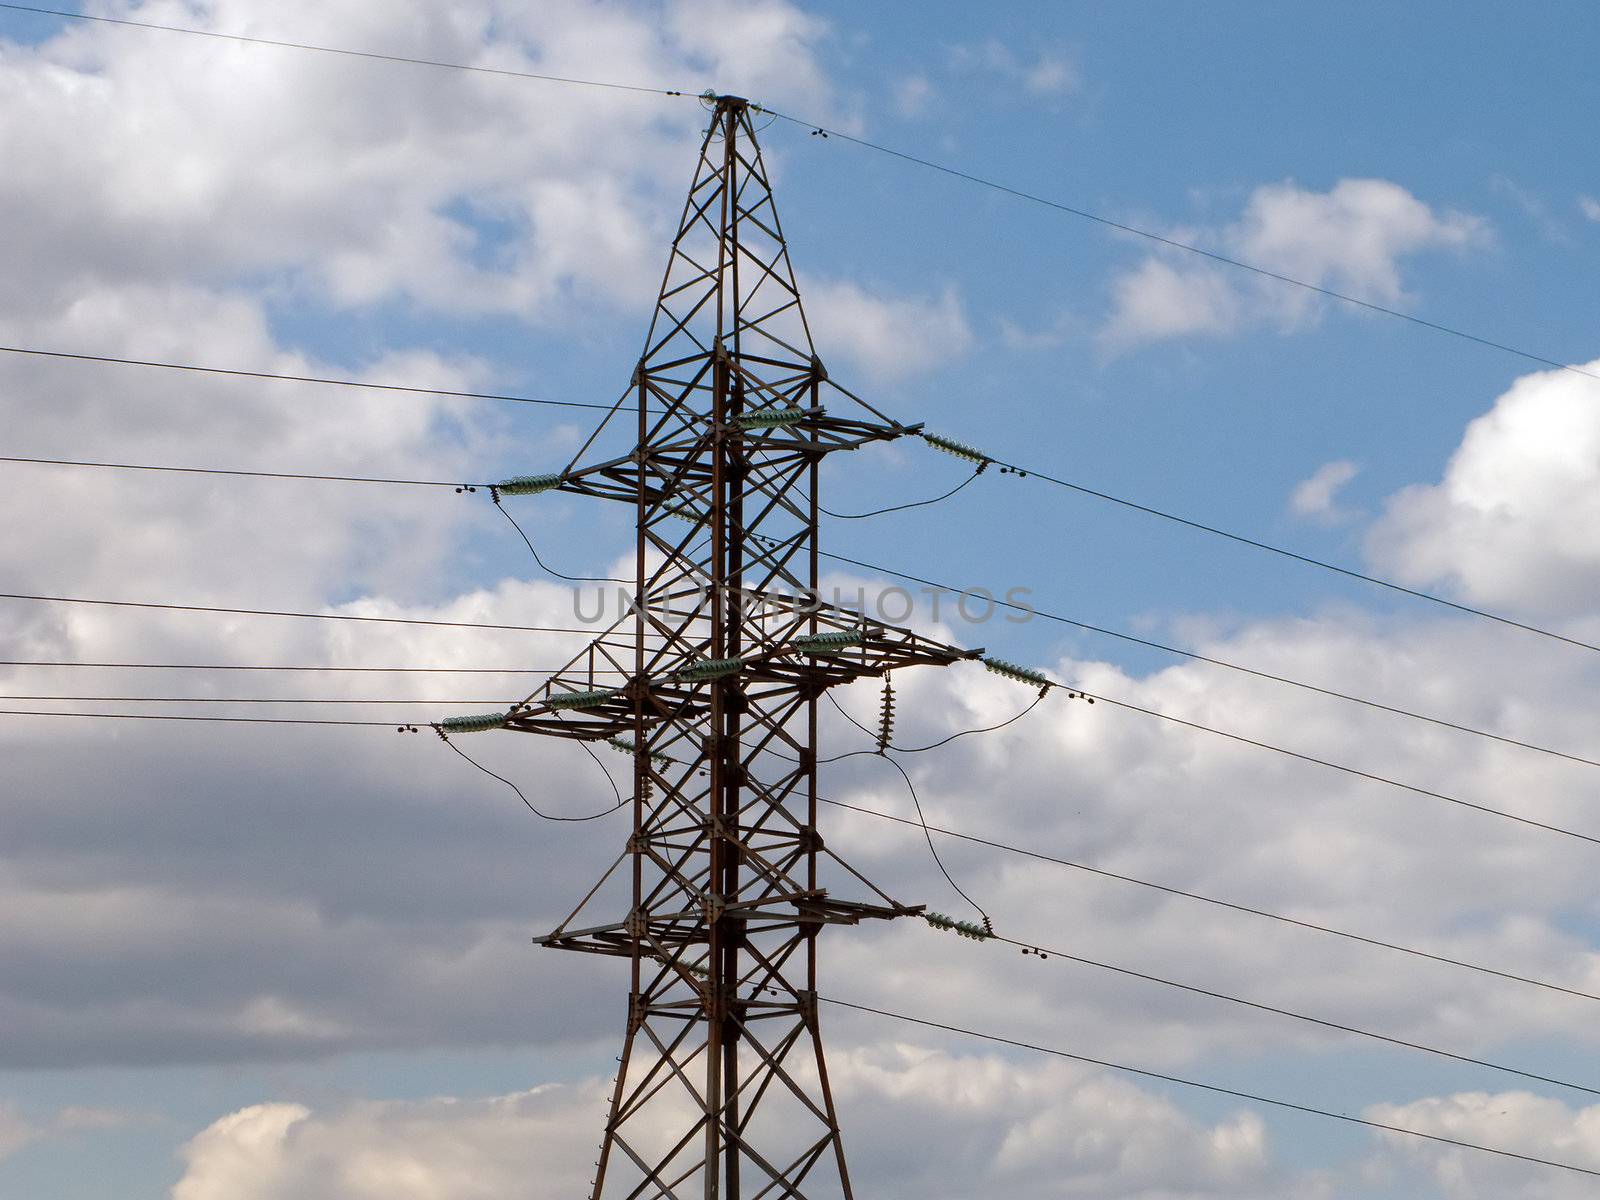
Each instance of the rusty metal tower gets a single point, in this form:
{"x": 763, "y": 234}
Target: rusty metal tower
{"x": 723, "y": 1090}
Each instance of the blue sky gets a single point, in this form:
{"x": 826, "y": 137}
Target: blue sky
{"x": 242, "y": 205}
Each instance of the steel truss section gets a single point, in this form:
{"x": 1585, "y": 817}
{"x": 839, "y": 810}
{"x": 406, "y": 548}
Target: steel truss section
{"x": 723, "y": 1090}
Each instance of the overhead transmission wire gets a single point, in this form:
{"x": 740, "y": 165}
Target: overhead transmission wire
{"x": 269, "y": 612}
{"x": 922, "y": 823}
{"x": 976, "y": 839}
{"x": 301, "y": 475}
{"x": 1150, "y": 643}
{"x": 894, "y": 508}
{"x": 1294, "y": 555}
{"x": 329, "y": 381}
{"x": 1117, "y": 634}
{"x": 1072, "y": 690}
{"x": 544, "y": 566}
{"x": 945, "y": 741}
{"x": 1230, "y": 905}
{"x": 1027, "y": 196}
{"x": 988, "y": 924}
{"x": 985, "y": 459}
{"x": 1215, "y": 1089}
{"x": 928, "y": 828}
{"x": 1355, "y": 772}
{"x": 7, "y": 699}
{"x": 831, "y": 133}
{"x": 148, "y": 666}
{"x": 904, "y": 156}
{"x": 1185, "y": 247}
{"x": 507, "y": 72}
{"x": 989, "y": 933}
{"x": 1372, "y": 776}
{"x": 521, "y": 795}
{"x": 1044, "y": 952}
{"x": 109, "y": 716}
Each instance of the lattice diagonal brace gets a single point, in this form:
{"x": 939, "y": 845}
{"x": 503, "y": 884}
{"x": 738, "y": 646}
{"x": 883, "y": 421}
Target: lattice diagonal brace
{"x": 723, "y": 1090}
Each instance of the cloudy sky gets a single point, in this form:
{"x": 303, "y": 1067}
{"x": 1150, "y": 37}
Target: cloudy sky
{"x": 264, "y": 962}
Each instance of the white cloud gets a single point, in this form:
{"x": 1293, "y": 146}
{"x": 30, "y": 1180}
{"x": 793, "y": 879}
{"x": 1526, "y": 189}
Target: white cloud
{"x": 1043, "y": 73}
{"x": 912, "y": 95}
{"x": 888, "y": 336}
{"x": 15, "y": 1131}
{"x": 921, "y": 1122}
{"x": 1159, "y": 299}
{"x": 1515, "y": 520}
{"x": 373, "y": 181}
{"x": 250, "y": 896}
{"x": 1590, "y": 207}
{"x": 1352, "y": 238}
{"x": 1516, "y": 1121}
{"x": 1315, "y": 497}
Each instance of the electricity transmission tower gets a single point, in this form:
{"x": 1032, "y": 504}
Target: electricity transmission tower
{"x": 723, "y": 1090}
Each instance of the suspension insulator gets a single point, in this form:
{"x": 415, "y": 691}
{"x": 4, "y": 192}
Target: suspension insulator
{"x": 478, "y": 723}
{"x": 581, "y": 699}
{"x": 1021, "y": 674}
{"x": 966, "y": 929}
{"x": 708, "y": 668}
{"x": 773, "y": 418}
{"x": 527, "y": 485}
{"x": 827, "y": 643}
{"x": 886, "y": 716}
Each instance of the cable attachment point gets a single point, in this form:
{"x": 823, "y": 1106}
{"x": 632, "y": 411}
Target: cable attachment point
{"x": 966, "y": 929}
{"x": 886, "y": 716}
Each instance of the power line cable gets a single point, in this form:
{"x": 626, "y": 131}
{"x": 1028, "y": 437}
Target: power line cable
{"x": 1308, "y": 560}
{"x": 927, "y": 827}
{"x": 521, "y": 795}
{"x": 1230, "y": 905}
{"x": 1338, "y": 1027}
{"x": 329, "y": 381}
{"x": 1186, "y": 247}
{"x": 9, "y": 699}
{"x": 70, "y": 462}
{"x": 945, "y": 741}
{"x": 105, "y": 716}
{"x": 893, "y": 508}
{"x": 1072, "y": 690}
{"x": 988, "y": 925}
{"x": 969, "y": 177}
{"x": 1032, "y": 948}
{"x": 348, "y": 53}
{"x": 267, "y": 612}
{"x": 1334, "y": 766}
{"x": 133, "y": 666}
{"x": 527, "y": 541}
{"x": 1010, "y": 467}
{"x": 1215, "y": 1089}
{"x": 1196, "y": 656}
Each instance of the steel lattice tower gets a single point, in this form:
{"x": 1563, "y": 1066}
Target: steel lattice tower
{"x": 722, "y": 1089}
